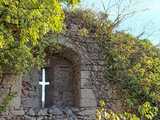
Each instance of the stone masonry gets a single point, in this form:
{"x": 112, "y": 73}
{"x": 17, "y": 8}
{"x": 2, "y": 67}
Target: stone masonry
{"x": 76, "y": 76}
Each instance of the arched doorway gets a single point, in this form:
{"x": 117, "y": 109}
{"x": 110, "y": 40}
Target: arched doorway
{"x": 63, "y": 73}
{"x": 63, "y": 88}
{"x": 69, "y": 75}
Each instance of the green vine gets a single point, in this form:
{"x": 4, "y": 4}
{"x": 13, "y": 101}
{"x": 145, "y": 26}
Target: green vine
{"x": 8, "y": 98}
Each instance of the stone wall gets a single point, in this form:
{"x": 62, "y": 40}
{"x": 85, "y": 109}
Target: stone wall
{"x": 89, "y": 86}
{"x": 30, "y": 96}
{"x": 11, "y": 84}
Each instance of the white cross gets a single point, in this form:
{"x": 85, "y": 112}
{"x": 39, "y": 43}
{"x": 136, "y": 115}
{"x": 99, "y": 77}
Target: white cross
{"x": 43, "y": 84}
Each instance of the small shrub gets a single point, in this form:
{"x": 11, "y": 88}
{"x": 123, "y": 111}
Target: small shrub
{"x": 146, "y": 112}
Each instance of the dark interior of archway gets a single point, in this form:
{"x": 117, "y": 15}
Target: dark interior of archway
{"x": 63, "y": 88}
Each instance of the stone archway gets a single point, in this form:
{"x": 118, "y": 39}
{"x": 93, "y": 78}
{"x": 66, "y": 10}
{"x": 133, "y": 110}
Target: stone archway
{"x": 69, "y": 76}
{"x": 63, "y": 73}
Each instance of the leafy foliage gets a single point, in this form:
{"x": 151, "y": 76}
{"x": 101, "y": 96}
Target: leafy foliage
{"x": 23, "y": 23}
{"x": 146, "y": 111}
{"x": 103, "y": 114}
{"x": 71, "y": 2}
{"x": 135, "y": 65}
{"x": 6, "y": 101}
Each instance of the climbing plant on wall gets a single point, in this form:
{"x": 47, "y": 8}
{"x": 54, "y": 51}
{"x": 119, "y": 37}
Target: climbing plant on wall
{"x": 23, "y": 23}
{"x": 131, "y": 63}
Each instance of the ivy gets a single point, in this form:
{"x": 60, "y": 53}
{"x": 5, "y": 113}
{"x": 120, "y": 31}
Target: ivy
{"x": 8, "y": 98}
{"x": 23, "y": 24}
